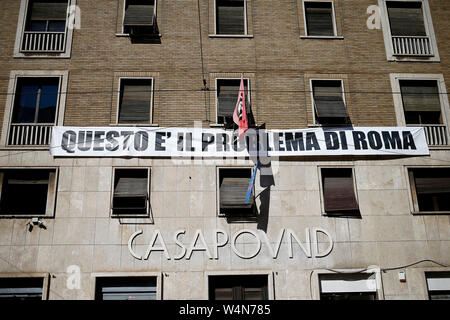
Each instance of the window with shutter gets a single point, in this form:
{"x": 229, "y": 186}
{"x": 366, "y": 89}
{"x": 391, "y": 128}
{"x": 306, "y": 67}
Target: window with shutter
{"x": 430, "y": 188}
{"x": 34, "y": 185}
{"x": 46, "y": 15}
{"x": 126, "y": 288}
{"x": 230, "y": 17}
{"x": 227, "y": 96}
{"x": 338, "y": 191}
{"x": 319, "y": 19}
{"x": 357, "y": 286}
{"x": 238, "y": 287}
{"x": 131, "y": 191}
{"x": 233, "y": 186}
{"x": 438, "y": 284}
{"x": 21, "y": 288}
{"x": 135, "y": 101}
{"x": 406, "y": 18}
{"x": 421, "y": 102}
{"x": 329, "y": 102}
{"x": 139, "y": 17}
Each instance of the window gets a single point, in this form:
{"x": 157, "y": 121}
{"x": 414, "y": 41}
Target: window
{"x": 227, "y": 96}
{"x": 319, "y": 19}
{"x": 135, "y": 101}
{"x": 328, "y": 101}
{"x": 421, "y": 102}
{"x": 43, "y": 28}
{"x": 339, "y": 196}
{"x": 140, "y": 18}
{"x": 408, "y": 30}
{"x": 355, "y": 286}
{"x": 438, "y": 284}
{"x": 34, "y": 111}
{"x": 430, "y": 189}
{"x": 21, "y": 288}
{"x": 233, "y": 186}
{"x": 36, "y": 186}
{"x": 46, "y": 16}
{"x": 406, "y": 18}
{"x": 126, "y": 288}
{"x": 131, "y": 192}
{"x": 231, "y": 17}
{"x": 238, "y": 287}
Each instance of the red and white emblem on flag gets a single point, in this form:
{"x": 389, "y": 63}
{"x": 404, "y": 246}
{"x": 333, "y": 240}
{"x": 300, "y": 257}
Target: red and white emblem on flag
{"x": 240, "y": 112}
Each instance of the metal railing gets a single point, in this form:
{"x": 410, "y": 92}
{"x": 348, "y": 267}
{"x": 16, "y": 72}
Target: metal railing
{"x": 436, "y": 134}
{"x": 30, "y": 134}
{"x": 412, "y": 46}
{"x": 43, "y": 41}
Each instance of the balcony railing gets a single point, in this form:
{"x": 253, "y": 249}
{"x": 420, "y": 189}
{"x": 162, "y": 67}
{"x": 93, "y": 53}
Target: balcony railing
{"x": 43, "y": 41}
{"x": 30, "y": 134}
{"x": 436, "y": 134}
{"x": 412, "y": 46}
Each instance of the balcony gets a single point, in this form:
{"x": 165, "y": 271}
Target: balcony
{"x": 43, "y": 42}
{"x": 436, "y": 134}
{"x": 412, "y": 46}
{"x": 30, "y": 134}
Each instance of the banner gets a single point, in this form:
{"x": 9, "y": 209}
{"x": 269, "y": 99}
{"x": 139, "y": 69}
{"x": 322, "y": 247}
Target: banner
{"x": 206, "y": 142}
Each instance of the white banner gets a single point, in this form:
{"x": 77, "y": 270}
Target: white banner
{"x": 201, "y": 142}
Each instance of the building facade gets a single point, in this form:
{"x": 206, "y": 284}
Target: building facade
{"x": 318, "y": 227}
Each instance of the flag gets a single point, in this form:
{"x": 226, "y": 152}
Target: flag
{"x": 251, "y": 184}
{"x": 240, "y": 112}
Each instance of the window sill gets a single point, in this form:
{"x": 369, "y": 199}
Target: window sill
{"x": 418, "y": 213}
{"x": 216, "y": 125}
{"x": 24, "y": 147}
{"x": 323, "y": 37}
{"x": 230, "y": 36}
{"x": 134, "y": 125}
{"x": 24, "y": 216}
{"x": 127, "y": 35}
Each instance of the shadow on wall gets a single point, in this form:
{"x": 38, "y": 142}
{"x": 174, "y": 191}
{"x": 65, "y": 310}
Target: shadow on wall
{"x": 266, "y": 181}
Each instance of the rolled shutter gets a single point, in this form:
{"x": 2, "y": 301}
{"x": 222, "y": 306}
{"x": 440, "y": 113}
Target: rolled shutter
{"x": 406, "y": 19}
{"x": 230, "y": 17}
{"x": 131, "y": 187}
{"x": 420, "y": 95}
{"x": 319, "y": 18}
{"x": 233, "y": 192}
{"x": 227, "y": 96}
{"x": 339, "y": 194}
{"x": 139, "y": 15}
{"x": 432, "y": 181}
{"x": 48, "y": 10}
{"x": 328, "y": 99}
{"x": 135, "y": 103}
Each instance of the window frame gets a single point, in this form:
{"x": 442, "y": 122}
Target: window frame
{"x": 43, "y": 275}
{"x": 333, "y": 16}
{"x": 119, "y": 100}
{"x": 428, "y": 22}
{"x": 395, "y": 79}
{"x": 315, "y": 287}
{"x": 248, "y": 28}
{"x": 322, "y": 198}
{"x": 268, "y": 273}
{"x": 313, "y": 103}
{"x": 425, "y": 278}
{"x": 149, "y": 194}
{"x": 21, "y": 23}
{"x": 247, "y": 95}
{"x": 50, "y": 208}
{"x": 10, "y": 101}
{"x": 122, "y": 27}
{"x": 157, "y": 275}
{"x": 412, "y": 194}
